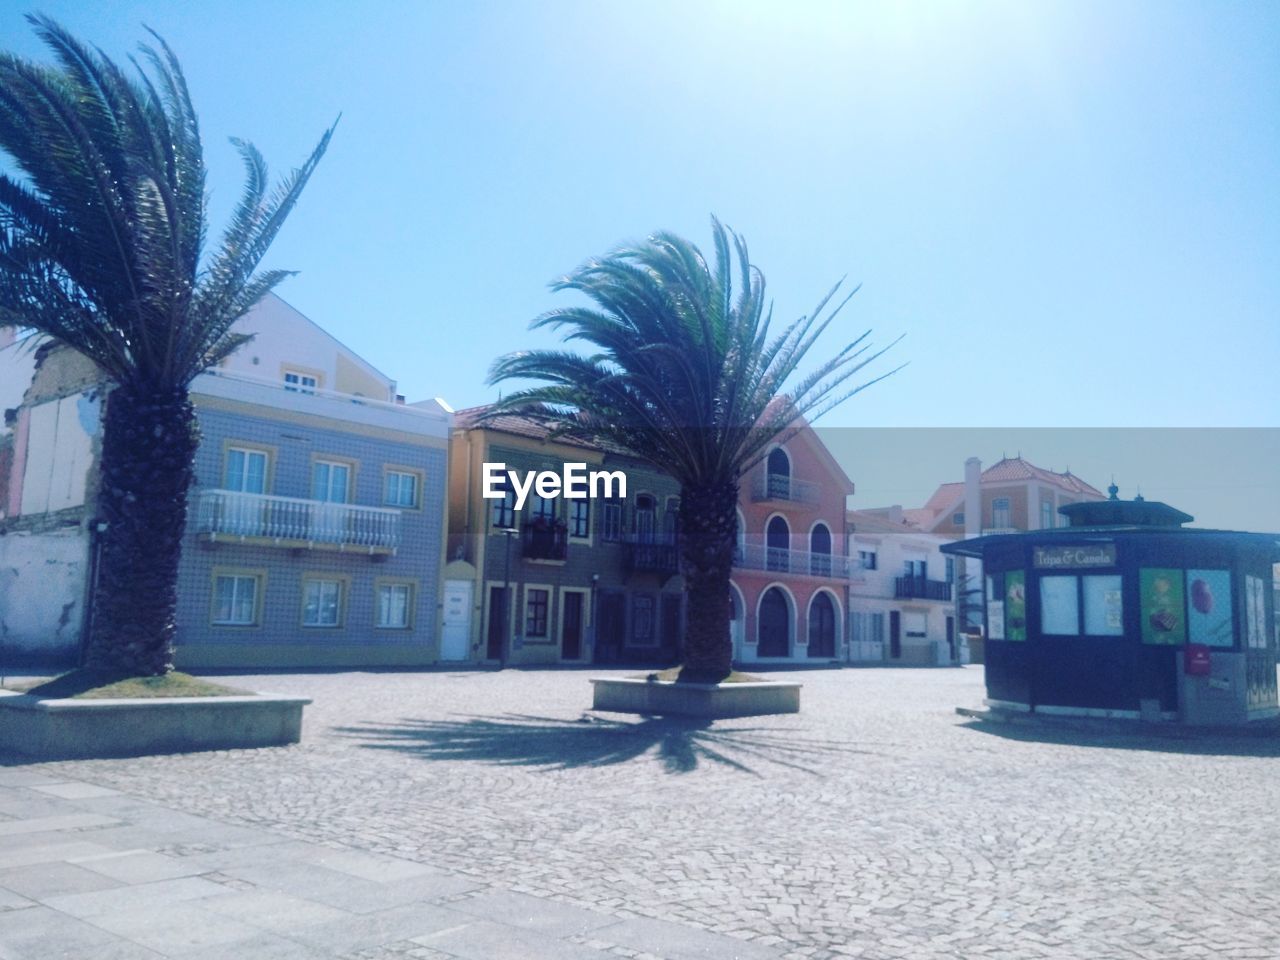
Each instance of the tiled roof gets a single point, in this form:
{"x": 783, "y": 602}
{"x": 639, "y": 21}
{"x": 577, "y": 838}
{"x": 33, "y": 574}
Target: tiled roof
{"x": 469, "y": 419}
{"x": 943, "y": 497}
{"x": 1018, "y": 469}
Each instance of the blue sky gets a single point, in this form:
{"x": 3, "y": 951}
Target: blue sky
{"x": 1072, "y": 210}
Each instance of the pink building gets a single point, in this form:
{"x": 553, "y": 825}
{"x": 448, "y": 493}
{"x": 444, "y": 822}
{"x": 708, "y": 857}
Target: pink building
{"x": 791, "y": 576}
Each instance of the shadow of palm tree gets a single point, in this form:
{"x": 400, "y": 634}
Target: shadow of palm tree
{"x": 680, "y": 743}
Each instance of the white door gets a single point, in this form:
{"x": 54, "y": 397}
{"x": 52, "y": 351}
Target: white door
{"x": 455, "y": 642}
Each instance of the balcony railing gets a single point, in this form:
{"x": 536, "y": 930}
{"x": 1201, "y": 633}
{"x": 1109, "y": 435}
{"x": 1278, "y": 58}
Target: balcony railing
{"x": 780, "y": 560}
{"x": 777, "y": 486}
{"x": 659, "y": 554}
{"x": 293, "y": 522}
{"x": 544, "y": 543}
{"x": 920, "y": 588}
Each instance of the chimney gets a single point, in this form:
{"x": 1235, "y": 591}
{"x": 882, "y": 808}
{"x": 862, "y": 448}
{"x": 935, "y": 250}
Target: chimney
{"x": 7, "y": 336}
{"x": 972, "y": 497}
{"x": 895, "y": 513}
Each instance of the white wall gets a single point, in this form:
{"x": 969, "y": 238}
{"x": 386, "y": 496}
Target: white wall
{"x": 59, "y": 453}
{"x": 42, "y": 584}
{"x": 17, "y": 367}
{"x": 283, "y": 337}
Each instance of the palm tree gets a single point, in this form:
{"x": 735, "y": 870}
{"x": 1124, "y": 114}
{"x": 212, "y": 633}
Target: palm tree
{"x": 685, "y": 376}
{"x": 102, "y": 235}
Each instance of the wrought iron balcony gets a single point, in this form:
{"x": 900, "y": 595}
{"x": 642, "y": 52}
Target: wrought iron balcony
{"x": 544, "y": 543}
{"x": 780, "y": 560}
{"x": 920, "y": 588}
{"x": 658, "y": 555}
{"x": 784, "y": 488}
{"x": 227, "y": 515}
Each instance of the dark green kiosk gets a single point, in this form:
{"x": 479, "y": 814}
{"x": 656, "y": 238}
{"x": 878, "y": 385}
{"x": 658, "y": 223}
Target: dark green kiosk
{"x": 1127, "y": 613}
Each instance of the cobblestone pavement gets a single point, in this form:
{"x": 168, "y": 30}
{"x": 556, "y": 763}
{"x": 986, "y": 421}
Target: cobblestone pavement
{"x": 875, "y": 824}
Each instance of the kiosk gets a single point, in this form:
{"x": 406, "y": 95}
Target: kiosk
{"x": 1127, "y": 613}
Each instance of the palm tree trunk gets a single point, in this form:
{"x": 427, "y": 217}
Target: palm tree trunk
{"x": 708, "y": 531}
{"x": 148, "y": 445}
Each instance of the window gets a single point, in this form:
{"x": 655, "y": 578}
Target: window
{"x": 611, "y": 521}
{"x": 877, "y": 628}
{"x": 544, "y": 509}
{"x": 671, "y": 520}
{"x": 504, "y": 510}
{"x": 330, "y": 481}
{"x": 646, "y": 518}
{"x": 1046, "y": 515}
{"x": 1000, "y": 512}
{"x": 1103, "y": 607}
{"x": 296, "y": 382}
{"x": 235, "y": 599}
{"x": 957, "y": 519}
{"x": 867, "y": 558}
{"x": 951, "y": 569}
{"x": 321, "y": 603}
{"x": 394, "y": 603}
{"x": 914, "y": 568}
{"x": 915, "y": 624}
{"x": 580, "y": 518}
{"x": 1060, "y": 606}
{"x": 401, "y": 489}
{"x": 246, "y": 470}
{"x": 536, "y": 604}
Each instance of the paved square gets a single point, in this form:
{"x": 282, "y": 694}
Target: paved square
{"x": 444, "y": 814}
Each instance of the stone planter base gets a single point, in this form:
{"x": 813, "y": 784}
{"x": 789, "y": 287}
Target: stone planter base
{"x": 81, "y": 729}
{"x": 664, "y": 697}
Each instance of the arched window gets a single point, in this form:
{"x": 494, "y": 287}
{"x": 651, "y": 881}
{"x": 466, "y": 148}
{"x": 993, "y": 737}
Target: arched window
{"x": 822, "y": 626}
{"x": 778, "y": 543}
{"x": 775, "y": 624}
{"x": 778, "y": 474}
{"x": 820, "y": 551}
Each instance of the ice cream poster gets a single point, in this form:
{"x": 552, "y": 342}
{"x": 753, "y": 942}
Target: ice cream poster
{"x": 1209, "y": 612}
{"x": 1015, "y": 605}
{"x": 1163, "y": 606}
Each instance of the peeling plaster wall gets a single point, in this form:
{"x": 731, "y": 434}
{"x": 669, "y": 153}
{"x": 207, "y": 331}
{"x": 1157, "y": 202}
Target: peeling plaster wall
{"x": 42, "y": 590}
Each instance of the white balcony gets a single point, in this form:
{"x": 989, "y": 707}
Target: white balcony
{"x": 801, "y": 562}
{"x": 783, "y": 488}
{"x": 228, "y": 516}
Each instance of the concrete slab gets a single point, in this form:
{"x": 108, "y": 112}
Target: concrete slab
{"x": 274, "y": 911}
{"x": 674, "y": 941}
{"x": 54, "y": 879}
{"x": 137, "y": 866}
{"x": 178, "y": 929}
{"x": 55, "y": 849}
{"x": 486, "y": 940}
{"x": 37, "y": 933}
{"x": 369, "y": 930}
{"x": 74, "y": 790}
{"x": 68, "y": 821}
{"x": 533, "y": 913}
{"x": 367, "y": 866}
{"x": 156, "y": 898}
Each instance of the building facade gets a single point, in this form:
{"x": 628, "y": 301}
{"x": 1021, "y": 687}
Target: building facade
{"x": 315, "y": 530}
{"x": 903, "y": 609}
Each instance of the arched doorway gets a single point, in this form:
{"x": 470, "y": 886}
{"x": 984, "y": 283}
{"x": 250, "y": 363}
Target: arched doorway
{"x": 778, "y": 543}
{"x": 774, "y": 626}
{"x": 822, "y": 626}
{"x": 820, "y": 551}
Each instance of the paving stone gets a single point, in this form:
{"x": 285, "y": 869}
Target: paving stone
{"x": 178, "y": 929}
{"x": 68, "y": 821}
{"x": 485, "y": 940}
{"x": 274, "y": 911}
{"x": 74, "y": 790}
{"x": 39, "y": 932}
{"x": 141, "y": 898}
{"x": 366, "y": 930}
{"x": 533, "y": 913}
{"x": 54, "y": 847}
{"x": 54, "y": 879}
{"x": 137, "y": 866}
